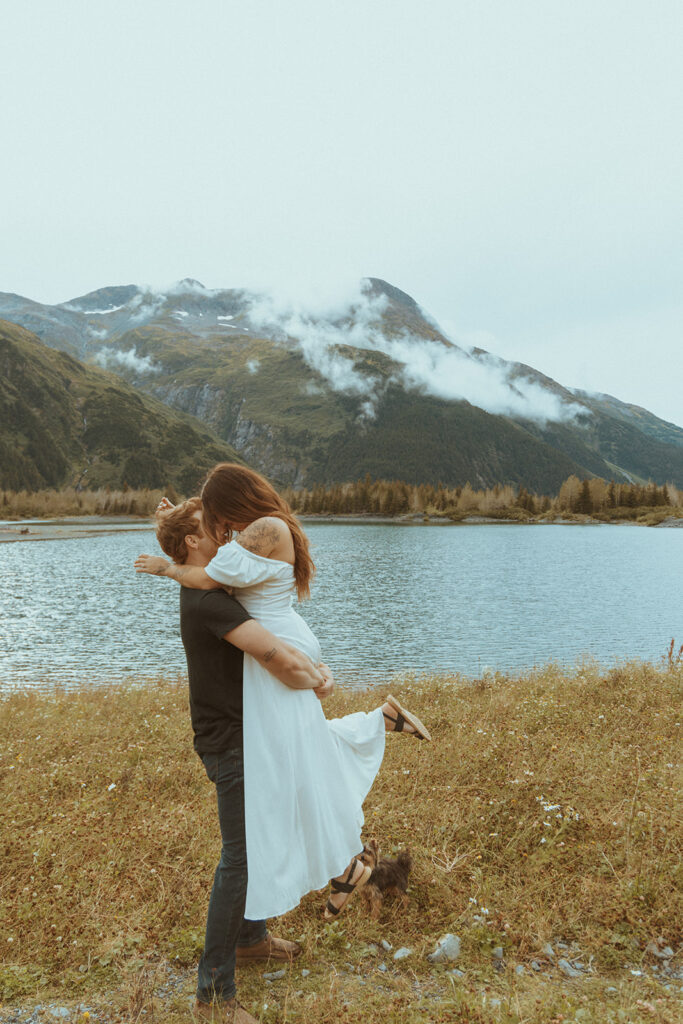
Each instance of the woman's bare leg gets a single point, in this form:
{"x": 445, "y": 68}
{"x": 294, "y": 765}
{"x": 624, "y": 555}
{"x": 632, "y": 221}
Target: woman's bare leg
{"x": 356, "y": 875}
{"x": 390, "y": 720}
{"x": 399, "y": 719}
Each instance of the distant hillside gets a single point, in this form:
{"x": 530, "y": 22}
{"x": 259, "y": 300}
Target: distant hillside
{"x": 371, "y": 384}
{"x": 63, "y": 423}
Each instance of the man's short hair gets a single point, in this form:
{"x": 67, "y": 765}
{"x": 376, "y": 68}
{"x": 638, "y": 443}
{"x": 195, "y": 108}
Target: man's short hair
{"x": 177, "y": 524}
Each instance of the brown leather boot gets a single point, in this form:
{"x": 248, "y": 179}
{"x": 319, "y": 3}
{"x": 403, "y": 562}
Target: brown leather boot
{"x": 228, "y": 1012}
{"x": 270, "y": 948}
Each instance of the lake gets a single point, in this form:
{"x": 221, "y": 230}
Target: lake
{"x": 387, "y": 599}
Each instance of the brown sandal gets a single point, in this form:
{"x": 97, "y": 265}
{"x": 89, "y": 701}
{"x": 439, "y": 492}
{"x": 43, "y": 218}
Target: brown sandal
{"x": 347, "y": 886}
{"x": 403, "y": 716}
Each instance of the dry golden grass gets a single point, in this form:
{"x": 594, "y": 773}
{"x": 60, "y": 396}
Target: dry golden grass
{"x": 545, "y": 810}
{"x": 51, "y": 504}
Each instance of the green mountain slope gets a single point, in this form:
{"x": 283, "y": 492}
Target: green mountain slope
{"x": 65, "y": 423}
{"x": 635, "y": 416}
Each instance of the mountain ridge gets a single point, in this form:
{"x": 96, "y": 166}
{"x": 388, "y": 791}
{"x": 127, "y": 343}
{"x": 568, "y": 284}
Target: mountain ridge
{"x": 370, "y": 384}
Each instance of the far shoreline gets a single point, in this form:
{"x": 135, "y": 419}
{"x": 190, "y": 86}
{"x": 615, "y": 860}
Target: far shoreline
{"x": 79, "y": 527}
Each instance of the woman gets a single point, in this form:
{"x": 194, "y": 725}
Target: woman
{"x": 305, "y": 778}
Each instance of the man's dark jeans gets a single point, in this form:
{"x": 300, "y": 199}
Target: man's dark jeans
{"x": 226, "y": 927}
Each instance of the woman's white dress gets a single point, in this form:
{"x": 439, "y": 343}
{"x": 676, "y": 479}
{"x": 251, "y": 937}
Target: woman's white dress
{"x": 305, "y": 778}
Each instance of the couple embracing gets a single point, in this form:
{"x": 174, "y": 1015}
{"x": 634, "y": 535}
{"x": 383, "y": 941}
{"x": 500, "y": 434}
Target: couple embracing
{"x": 290, "y": 784}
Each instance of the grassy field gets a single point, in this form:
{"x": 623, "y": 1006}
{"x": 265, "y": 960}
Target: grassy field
{"x": 544, "y": 812}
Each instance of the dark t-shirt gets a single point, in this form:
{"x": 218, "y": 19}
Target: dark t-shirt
{"x": 214, "y": 667}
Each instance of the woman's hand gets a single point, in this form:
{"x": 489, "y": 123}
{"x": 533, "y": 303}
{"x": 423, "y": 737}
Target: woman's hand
{"x": 327, "y": 685}
{"x": 152, "y": 564}
{"x": 163, "y": 507}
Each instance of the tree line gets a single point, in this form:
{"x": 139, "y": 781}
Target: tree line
{"x": 74, "y": 502}
{"x": 395, "y": 497}
{"x": 594, "y": 497}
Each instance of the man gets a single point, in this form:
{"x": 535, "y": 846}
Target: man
{"x": 216, "y": 630}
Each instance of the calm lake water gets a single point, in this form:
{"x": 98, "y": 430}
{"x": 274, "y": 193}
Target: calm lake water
{"x": 387, "y": 599}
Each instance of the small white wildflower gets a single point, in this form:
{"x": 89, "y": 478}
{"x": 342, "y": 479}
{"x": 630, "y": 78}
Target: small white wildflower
{"x": 472, "y": 900}
{"x": 544, "y": 840}
{"x": 10, "y": 938}
{"x": 112, "y": 785}
{"x": 484, "y": 910}
{"x": 548, "y": 824}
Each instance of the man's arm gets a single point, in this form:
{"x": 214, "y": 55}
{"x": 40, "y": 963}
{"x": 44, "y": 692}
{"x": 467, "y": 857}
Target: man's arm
{"x": 291, "y": 666}
{"x": 192, "y": 576}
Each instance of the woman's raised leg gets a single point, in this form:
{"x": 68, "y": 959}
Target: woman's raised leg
{"x": 397, "y": 719}
{"x": 344, "y": 886}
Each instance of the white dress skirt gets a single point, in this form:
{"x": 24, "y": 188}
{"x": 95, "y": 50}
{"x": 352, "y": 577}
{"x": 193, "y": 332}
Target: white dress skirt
{"x": 305, "y": 778}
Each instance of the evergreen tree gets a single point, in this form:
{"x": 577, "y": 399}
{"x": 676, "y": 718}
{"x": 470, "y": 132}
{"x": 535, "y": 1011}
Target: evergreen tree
{"x": 611, "y": 495}
{"x": 584, "y": 502}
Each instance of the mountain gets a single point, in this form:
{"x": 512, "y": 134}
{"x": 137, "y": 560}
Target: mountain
{"x": 63, "y": 423}
{"x": 368, "y": 384}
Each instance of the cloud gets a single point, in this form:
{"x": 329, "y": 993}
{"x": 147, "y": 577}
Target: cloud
{"x": 345, "y": 318}
{"x": 486, "y": 381}
{"x": 354, "y": 320}
{"x": 129, "y": 360}
{"x": 146, "y": 305}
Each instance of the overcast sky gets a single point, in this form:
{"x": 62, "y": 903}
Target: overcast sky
{"x": 515, "y": 165}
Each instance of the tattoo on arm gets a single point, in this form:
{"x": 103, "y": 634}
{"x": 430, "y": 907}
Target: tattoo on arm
{"x": 259, "y": 537}
{"x": 270, "y": 654}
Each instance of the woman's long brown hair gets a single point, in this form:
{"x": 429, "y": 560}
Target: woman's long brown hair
{"x": 239, "y": 495}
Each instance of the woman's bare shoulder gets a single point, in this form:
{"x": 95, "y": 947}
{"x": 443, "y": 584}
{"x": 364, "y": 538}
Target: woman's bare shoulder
{"x": 264, "y": 535}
